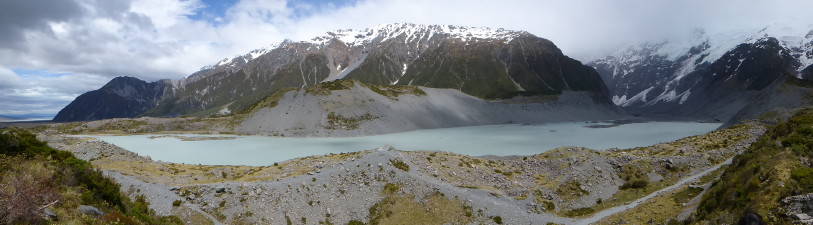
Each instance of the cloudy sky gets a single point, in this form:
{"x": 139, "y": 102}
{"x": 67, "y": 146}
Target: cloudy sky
{"x": 52, "y": 51}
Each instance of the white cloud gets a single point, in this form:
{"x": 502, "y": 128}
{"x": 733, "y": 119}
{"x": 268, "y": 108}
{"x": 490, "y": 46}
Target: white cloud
{"x": 8, "y": 79}
{"x": 164, "y": 14}
{"x": 41, "y": 94}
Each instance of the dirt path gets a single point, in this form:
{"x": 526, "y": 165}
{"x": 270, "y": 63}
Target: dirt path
{"x": 608, "y": 212}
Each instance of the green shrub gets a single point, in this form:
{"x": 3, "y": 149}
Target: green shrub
{"x": 177, "y": 203}
{"x": 794, "y": 139}
{"x": 391, "y": 188}
{"x": 580, "y": 212}
{"x": 804, "y": 176}
{"x": 635, "y": 184}
{"x": 399, "y": 164}
{"x": 549, "y": 205}
{"x": 355, "y": 222}
{"x": 497, "y": 219}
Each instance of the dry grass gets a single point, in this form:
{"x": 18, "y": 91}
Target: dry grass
{"x": 665, "y": 207}
{"x": 23, "y": 189}
{"x": 397, "y": 209}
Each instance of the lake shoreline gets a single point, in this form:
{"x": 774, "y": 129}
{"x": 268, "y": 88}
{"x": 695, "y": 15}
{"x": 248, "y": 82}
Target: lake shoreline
{"x": 486, "y": 140}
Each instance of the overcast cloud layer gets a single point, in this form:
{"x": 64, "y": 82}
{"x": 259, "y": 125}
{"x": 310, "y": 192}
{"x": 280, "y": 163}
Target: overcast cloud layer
{"x": 52, "y": 51}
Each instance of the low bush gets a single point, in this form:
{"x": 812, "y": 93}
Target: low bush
{"x": 399, "y": 164}
{"x": 497, "y": 219}
{"x": 635, "y": 184}
{"x": 580, "y": 212}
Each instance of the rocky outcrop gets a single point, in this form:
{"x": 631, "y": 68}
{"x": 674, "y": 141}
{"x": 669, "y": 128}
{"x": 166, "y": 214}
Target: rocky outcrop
{"x": 799, "y": 207}
{"x": 90, "y": 210}
{"x": 122, "y": 97}
{"x": 807, "y": 73}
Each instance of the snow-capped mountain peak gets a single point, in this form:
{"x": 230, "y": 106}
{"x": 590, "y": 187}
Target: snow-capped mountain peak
{"x": 415, "y": 35}
{"x": 410, "y": 31}
{"x": 671, "y": 71}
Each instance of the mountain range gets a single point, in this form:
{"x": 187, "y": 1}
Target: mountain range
{"x": 485, "y": 63}
{"x": 711, "y": 75}
{"x": 721, "y": 77}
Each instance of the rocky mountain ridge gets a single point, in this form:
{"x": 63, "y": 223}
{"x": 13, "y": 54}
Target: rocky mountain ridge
{"x": 121, "y": 97}
{"x": 711, "y": 75}
{"x": 486, "y": 63}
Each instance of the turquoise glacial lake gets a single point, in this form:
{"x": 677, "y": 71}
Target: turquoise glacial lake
{"x": 499, "y": 140}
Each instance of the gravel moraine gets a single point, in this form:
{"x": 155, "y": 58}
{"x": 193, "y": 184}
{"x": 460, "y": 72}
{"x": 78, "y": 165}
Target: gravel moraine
{"x": 340, "y": 189}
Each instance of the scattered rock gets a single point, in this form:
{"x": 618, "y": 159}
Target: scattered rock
{"x": 90, "y": 210}
{"x": 669, "y": 164}
{"x": 799, "y": 207}
{"x": 50, "y": 215}
{"x": 801, "y": 216}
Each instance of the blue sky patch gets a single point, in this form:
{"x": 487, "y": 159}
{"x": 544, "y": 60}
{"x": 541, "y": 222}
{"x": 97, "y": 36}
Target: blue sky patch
{"x": 214, "y": 11}
{"x": 37, "y": 73}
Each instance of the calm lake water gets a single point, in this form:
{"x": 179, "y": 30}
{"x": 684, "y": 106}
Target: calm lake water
{"x": 498, "y": 140}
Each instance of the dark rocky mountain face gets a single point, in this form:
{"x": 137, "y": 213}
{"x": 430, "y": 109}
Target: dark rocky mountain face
{"x": 486, "y": 63}
{"x": 709, "y": 81}
{"x": 807, "y": 73}
{"x": 122, "y": 97}
{"x": 525, "y": 66}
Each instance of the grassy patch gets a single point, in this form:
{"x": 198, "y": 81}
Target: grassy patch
{"x": 686, "y": 194}
{"x": 433, "y": 209}
{"x": 325, "y": 88}
{"x": 393, "y": 91}
{"x": 390, "y": 188}
{"x": 571, "y": 190}
{"x": 269, "y": 101}
{"x": 626, "y": 196}
{"x": 580, "y": 212}
{"x": 400, "y": 165}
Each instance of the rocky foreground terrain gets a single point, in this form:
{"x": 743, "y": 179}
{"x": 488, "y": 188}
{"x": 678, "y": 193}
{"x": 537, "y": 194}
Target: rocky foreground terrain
{"x": 567, "y": 185}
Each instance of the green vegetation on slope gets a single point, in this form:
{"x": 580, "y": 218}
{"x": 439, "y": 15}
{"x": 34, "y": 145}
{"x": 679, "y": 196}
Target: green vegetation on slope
{"x": 393, "y": 91}
{"x": 472, "y": 69}
{"x": 33, "y": 175}
{"x": 774, "y": 167}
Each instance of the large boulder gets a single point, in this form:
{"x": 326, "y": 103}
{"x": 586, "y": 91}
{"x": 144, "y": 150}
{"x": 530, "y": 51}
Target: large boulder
{"x": 90, "y": 210}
